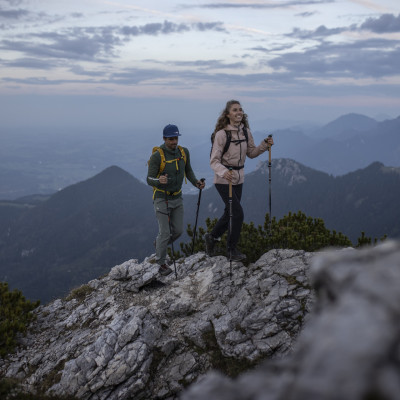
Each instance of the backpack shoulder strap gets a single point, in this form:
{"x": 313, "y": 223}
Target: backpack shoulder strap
{"x": 227, "y": 143}
{"x": 246, "y": 135}
{"x": 162, "y": 162}
{"x": 183, "y": 154}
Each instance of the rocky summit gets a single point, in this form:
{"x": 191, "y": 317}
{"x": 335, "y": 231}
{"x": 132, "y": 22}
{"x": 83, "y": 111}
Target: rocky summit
{"x": 134, "y": 335}
{"x": 291, "y": 326}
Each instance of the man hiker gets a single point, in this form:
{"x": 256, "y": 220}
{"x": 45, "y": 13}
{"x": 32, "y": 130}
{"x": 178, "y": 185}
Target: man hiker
{"x": 168, "y": 166}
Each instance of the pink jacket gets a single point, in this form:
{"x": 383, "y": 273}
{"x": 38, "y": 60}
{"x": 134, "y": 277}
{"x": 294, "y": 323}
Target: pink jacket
{"x": 236, "y": 154}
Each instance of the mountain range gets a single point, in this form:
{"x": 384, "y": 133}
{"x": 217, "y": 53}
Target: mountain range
{"x": 50, "y": 244}
{"x": 40, "y": 161}
{"x": 350, "y": 142}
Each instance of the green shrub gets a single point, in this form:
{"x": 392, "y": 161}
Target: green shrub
{"x": 294, "y": 231}
{"x": 366, "y": 240}
{"x": 15, "y": 316}
{"x": 80, "y": 293}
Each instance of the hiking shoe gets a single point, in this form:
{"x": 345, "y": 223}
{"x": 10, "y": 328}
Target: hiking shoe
{"x": 235, "y": 255}
{"x": 210, "y": 243}
{"x": 164, "y": 270}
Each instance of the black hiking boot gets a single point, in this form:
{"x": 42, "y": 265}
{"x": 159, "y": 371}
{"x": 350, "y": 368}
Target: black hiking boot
{"x": 210, "y": 244}
{"x": 164, "y": 270}
{"x": 235, "y": 255}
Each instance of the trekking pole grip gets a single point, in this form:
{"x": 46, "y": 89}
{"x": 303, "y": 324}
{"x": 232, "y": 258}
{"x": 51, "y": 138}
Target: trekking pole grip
{"x": 269, "y": 151}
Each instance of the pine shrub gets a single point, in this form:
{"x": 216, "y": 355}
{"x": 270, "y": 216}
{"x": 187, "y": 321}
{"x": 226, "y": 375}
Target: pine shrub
{"x": 294, "y": 231}
{"x": 15, "y": 316}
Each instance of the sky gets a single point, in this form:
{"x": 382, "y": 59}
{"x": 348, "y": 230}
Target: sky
{"x": 126, "y": 64}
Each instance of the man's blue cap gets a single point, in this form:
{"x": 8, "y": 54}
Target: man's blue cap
{"x": 171, "y": 131}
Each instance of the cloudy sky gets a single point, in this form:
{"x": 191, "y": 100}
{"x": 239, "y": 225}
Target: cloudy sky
{"x": 121, "y": 62}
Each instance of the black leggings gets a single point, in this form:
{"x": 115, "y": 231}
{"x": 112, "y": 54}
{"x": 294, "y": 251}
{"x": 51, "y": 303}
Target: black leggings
{"x": 237, "y": 214}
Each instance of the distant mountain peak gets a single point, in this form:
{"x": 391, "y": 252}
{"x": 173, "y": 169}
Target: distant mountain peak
{"x": 352, "y": 116}
{"x": 346, "y": 126}
{"x": 112, "y": 176}
{"x": 114, "y": 170}
{"x": 353, "y": 121}
{"x": 287, "y": 169}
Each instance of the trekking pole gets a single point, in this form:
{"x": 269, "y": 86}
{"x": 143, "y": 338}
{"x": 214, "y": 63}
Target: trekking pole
{"x": 269, "y": 179}
{"x": 230, "y": 226}
{"x": 170, "y": 233}
{"x": 197, "y": 215}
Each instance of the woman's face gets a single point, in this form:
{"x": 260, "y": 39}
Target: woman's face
{"x": 235, "y": 114}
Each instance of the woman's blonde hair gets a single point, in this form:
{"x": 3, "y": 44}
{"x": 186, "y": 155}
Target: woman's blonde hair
{"x": 223, "y": 119}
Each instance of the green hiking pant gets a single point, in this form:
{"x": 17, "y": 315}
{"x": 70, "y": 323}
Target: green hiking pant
{"x": 175, "y": 209}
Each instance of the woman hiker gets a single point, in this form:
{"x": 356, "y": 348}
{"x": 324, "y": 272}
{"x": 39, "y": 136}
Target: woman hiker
{"x": 232, "y": 142}
{"x": 168, "y": 165}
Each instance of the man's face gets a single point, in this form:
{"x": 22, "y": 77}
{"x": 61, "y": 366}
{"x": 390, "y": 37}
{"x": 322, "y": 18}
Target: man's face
{"x": 171, "y": 142}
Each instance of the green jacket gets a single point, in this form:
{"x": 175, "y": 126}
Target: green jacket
{"x": 176, "y": 172}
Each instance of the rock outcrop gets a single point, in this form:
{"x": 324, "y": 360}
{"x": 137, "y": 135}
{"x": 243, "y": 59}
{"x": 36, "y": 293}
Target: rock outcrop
{"x": 350, "y": 347}
{"x": 132, "y": 334}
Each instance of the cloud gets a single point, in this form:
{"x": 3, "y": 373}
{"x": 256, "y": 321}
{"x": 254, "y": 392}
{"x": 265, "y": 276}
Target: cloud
{"x": 321, "y": 31}
{"x": 14, "y": 2}
{"x": 41, "y": 81}
{"x": 154, "y": 29}
{"x": 284, "y": 4}
{"x": 12, "y": 14}
{"x": 311, "y": 73}
{"x": 273, "y": 48}
{"x": 372, "y": 58}
{"x": 78, "y": 70}
{"x": 306, "y": 14}
{"x": 291, "y": 72}
{"x": 386, "y": 23}
{"x": 203, "y": 64}
{"x": 77, "y": 44}
{"x": 169, "y": 27}
{"x": 31, "y": 63}
{"x": 96, "y": 43}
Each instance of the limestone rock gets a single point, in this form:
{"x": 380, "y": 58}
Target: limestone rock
{"x": 350, "y": 347}
{"x": 134, "y": 334}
